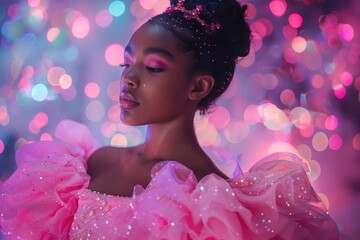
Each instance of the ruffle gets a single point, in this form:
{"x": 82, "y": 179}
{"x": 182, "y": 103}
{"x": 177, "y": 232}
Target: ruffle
{"x": 39, "y": 200}
{"x": 274, "y": 200}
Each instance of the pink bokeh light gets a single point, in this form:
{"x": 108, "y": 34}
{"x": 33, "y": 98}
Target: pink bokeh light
{"x": 335, "y": 142}
{"x": 278, "y": 7}
{"x": 81, "y": 27}
{"x": 103, "y": 18}
{"x": 295, "y": 20}
{"x": 92, "y": 90}
{"x": 114, "y": 54}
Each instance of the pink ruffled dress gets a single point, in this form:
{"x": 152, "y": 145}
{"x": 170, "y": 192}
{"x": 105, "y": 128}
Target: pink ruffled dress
{"x": 47, "y": 198}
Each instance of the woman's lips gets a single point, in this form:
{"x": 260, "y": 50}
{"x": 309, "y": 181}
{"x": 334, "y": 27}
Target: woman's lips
{"x": 127, "y": 101}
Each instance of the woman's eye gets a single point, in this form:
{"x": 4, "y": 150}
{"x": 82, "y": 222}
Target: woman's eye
{"x": 154, "y": 70}
{"x": 125, "y": 65}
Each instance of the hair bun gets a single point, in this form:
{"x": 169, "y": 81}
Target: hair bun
{"x": 231, "y": 15}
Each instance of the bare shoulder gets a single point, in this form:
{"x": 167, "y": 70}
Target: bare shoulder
{"x": 102, "y": 158}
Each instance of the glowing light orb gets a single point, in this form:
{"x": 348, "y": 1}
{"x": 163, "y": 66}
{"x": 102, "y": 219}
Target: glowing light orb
{"x": 117, "y": 8}
{"x": 274, "y": 118}
{"x": 289, "y": 32}
{"x": 41, "y": 119}
{"x": 335, "y": 142}
{"x": 317, "y": 81}
{"x": 14, "y": 10}
{"x": 92, "y": 90}
{"x": 251, "y": 11}
{"x": 54, "y": 74}
{"x": 95, "y": 111}
{"x": 304, "y": 151}
{"x": 251, "y": 114}
{"x": 138, "y": 11}
{"x": 339, "y": 91}
{"x": 220, "y": 117}
{"x": 298, "y": 44}
{"x": 4, "y": 116}
{"x": 300, "y": 117}
{"x": 346, "y": 78}
{"x": 80, "y": 28}
{"x": 259, "y": 28}
{"x": 331, "y": 123}
{"x": 320, "y": 141}
{"x": 287, "y": 97}
{"x": 277, "y": 7}
{"x": 103, "y": 18}
{"x": 114, "y": 54}
{"x": 236, "y": 131}
{"x": 38, "y": 122}
{"x": 307, "y": 131}
{"x": 65, "y": 81}
{"x": 39, "y": 92}
{"x": 52, "y": 34}
{"x": 270, "y": 81}
{"x": 119, "y": 140}
{"x": 295, "y": 20}
{"x": 346, "y": 32}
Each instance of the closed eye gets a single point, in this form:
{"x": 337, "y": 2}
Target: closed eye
{"x": 125, "y": 65}
{"x": 154, "y": 70}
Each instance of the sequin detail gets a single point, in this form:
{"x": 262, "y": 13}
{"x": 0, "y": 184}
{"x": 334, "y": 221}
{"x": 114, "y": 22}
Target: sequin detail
{"x": 47, "y": 198}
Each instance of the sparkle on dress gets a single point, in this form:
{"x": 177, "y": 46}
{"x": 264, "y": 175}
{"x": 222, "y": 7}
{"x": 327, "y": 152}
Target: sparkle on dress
{"x": 47, "y": 198}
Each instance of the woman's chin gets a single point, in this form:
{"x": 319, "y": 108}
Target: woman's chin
{"x": 130, "y": 121}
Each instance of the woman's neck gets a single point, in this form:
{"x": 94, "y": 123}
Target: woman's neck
{"x": 171, "y": 141}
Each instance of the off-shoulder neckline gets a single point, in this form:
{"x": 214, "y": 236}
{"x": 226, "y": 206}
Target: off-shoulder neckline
{"x": 155, "y": 169}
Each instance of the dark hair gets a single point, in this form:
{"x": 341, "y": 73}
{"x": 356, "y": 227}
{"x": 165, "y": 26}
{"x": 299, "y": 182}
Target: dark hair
{"x": 215, "y": 54}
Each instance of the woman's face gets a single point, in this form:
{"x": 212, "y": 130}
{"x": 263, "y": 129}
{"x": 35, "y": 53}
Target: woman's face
{"x": 155, "y": 81}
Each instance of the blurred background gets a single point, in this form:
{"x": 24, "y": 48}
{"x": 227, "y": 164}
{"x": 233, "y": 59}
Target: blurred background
{"x": 298, "y": 90}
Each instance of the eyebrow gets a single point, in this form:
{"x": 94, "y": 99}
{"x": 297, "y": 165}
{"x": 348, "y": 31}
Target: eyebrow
{"x": 151, "y": 50}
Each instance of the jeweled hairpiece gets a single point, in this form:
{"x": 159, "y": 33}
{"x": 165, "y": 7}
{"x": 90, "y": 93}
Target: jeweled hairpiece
{"x": 194, "y": 14}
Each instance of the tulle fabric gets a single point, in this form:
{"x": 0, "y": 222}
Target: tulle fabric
{"x": 39, "y": 200}
{"x": 47, "y": 198}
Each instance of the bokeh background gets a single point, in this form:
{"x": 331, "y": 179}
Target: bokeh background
{"x": 298, "y": 90}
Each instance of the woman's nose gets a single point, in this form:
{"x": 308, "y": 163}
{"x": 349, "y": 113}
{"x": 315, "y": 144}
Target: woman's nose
{"x": 130, "y": 77}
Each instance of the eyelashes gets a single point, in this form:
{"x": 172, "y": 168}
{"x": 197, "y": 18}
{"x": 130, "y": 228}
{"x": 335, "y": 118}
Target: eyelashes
{"x": 149, "y": 69}
{"x": 154, "y": 70}
{"x": 124, "y": 65}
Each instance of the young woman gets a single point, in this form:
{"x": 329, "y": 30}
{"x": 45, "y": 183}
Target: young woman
{"x": 177, "y": 63}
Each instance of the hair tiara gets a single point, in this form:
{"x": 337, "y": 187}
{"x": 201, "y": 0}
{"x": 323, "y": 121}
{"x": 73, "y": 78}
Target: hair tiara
{"x": 194, "y": 14}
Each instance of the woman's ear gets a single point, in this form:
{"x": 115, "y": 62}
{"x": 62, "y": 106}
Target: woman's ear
{"x": 201, "y": 87}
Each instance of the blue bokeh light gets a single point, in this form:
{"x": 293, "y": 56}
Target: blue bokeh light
{"x": 39, "y": 92}
{"x": 117, "y": 8}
